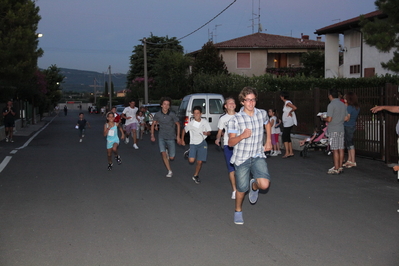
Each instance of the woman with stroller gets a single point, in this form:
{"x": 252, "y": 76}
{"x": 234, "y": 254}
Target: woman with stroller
{"x": 289, "y": 120}
{"x": 350, "y": 127}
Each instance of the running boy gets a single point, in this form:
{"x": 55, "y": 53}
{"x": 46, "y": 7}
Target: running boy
{"x": 199, "y": 129}
{"x": 111, "y": 132}
{"x": 81, "y": 125}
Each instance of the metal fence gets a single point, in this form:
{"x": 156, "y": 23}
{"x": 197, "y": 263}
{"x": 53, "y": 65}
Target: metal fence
{"x": 375, "y": 135}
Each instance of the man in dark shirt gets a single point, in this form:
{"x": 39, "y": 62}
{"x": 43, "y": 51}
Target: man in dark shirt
{"x": 9, "y": 123}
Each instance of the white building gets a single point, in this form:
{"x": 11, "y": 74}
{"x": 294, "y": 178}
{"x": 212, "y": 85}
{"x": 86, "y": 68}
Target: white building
{"x": 359, "y": 59}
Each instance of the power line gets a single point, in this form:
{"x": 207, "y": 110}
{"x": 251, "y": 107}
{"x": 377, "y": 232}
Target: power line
{"x": 185, "y": 36}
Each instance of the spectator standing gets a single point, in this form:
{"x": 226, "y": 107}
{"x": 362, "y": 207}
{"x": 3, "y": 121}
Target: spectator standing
{"x": 130, "y": 114}
{"x": 81, "y": 125}
{"x": 229, "y": 107}
{"x": 169, "y": 132}
{"x": 111, "y": 132}
{"x": 199, "y": 130}
{"x": 246, "y": 133}
{"x": 336, "y": 116}
{"x": 275, "y": 126}
{"x": 289, "y": 121}
{"x": 65, "y": 110}
{"x": 9, "y": 121}
{"x": 353, "y": 110}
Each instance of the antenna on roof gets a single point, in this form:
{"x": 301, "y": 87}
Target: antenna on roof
{"x": 254, "y": 17}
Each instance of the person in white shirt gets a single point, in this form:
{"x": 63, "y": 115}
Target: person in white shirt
{"x": 130, "y": 114}
{"x": 199, "y": 130}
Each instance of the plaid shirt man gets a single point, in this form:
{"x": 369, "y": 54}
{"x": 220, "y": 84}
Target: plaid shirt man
{"x": 251, "y": 147}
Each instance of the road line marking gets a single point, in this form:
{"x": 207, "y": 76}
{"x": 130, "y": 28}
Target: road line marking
{"x": 37, "y": 133}
{"x": 13, "y": 152}
{"x": 4, "y": 163}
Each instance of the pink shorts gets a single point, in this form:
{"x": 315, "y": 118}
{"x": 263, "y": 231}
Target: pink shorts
{"x": 130, "y": 127}
{"x": 275, "y": 138}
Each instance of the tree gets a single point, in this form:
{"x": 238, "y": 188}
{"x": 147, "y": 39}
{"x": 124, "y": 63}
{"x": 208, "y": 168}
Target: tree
{"x": 105, "y": 94}
{"x": 18, "y": 42}
{"x": 172, "y": 74}
{"x": 53, "y": 84}
{"x": 208, "y": 61}
{"x": 155, "y": 45}
{"x": 313, "y": 64}
{"x": 384, "y": 33}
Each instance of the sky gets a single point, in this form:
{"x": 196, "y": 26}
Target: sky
{"x": 95, "y": 34}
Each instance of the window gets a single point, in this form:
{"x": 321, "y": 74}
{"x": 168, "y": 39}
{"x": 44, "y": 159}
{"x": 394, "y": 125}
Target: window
{"x": 243, "y": 60}
{"x": 354, "y": 69}
{"x": 215, "y": 106}
{"x": 200, "y": 102}
{"x": 355, "y": 39}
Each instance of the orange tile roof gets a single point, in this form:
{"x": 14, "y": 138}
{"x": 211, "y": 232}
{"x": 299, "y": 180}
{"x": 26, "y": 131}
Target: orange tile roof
{"x": 264, "y": 40}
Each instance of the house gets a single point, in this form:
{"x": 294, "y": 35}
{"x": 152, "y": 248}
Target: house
{"x": 359, "y": 59}
{"x": 253, "y": 54}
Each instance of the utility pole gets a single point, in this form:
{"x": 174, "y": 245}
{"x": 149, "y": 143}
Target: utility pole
{"x": 145, "y": 71}
{"x": 95, "y": 90}
{"x": 110, "y": 90}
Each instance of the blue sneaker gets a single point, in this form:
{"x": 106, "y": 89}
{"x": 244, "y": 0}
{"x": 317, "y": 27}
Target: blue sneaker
{"x": 253, "y": 194}
{"x": 238, "y": 218}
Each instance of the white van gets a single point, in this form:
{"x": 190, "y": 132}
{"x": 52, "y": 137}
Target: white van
{"x": 212, "y": 108}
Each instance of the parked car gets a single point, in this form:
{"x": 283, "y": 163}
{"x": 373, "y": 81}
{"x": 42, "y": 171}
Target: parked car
{"x": 212, "y": 108}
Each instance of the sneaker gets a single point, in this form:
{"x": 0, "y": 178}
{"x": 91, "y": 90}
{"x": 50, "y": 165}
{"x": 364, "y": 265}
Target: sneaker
{"x": 80, "y": 140}
{"x": 333, "y": 171}
{"x": 233, "y": 195}
{"x": 83, "y": 136}
{"x": 238, "y": 218}
{"x": 126, "y": 139}
{"x": 6, "y": 139}
{"x": 253, "y": 194}
{"x": 110, "y": 166}
{"x": 196, "y": 179}
{"x": 274, "y": 153}
{"x": 170, "y": 174}
{"x": 278, "y": 152}
{"x": 11, "y": 140}
{"x": 135, "y": 146}
{"x": 118, "y": 159}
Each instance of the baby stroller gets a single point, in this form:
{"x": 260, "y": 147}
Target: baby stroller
{"x": 318, "y": 141}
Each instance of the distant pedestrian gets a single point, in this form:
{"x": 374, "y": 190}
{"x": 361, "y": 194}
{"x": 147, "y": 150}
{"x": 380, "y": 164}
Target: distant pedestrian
{"x": 111, "y": 132}
{"x": 275, "y": 126}
{"x": 169, "y": 132}
{"x": 130, "y": 114}
{"x": 246, "y": 132}
{"x": 65, "y": 110}
{"x": 89, "y": 109}
{"x": 229, "y": 106}
{"x": 9, "y": 121}
{"x": 289, "y": 121}
{"x": 336, "y": 116}
{"x": 103, "y": 111}
{"x": 199, "y": 130}
{"x": 350, "y": 127}
{"x": 57, "y": 110}
{"x": 81, "y": 125}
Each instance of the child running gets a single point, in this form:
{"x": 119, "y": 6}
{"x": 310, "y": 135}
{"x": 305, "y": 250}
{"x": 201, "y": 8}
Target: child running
{"x": 111, "y": 132}
{"x": 275, "y": 124}
{"x": 81, "y": 125}
{"x": 141, "y": 122}
{"x": 199, "y": 129}
{"x": 230, "y": 106}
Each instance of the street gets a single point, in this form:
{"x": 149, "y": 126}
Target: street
{"x": 60, "y": 206}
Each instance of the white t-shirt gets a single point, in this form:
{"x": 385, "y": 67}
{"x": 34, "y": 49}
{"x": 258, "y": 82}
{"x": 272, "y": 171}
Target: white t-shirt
{"x": 275, "y": 130}
{"x": 196, "y": 130}
{"x": 130, "y": 112}
{"x": 222, "y": 124}
{"x": 288, "y": 121}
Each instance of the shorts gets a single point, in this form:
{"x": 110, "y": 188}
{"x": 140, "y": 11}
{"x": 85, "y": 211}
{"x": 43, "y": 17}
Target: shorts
{"x": 110, "y": 144}
{"x": 336, "y": 140}
{"x": 9, "y": 123}
{"x": 130, "y": 127}
{"x": 255, "y": 167}
{"x": 199, "y": 151}
{"x": 169, "y": 144}
{"x": 275, "y": 138}
{"x": 228, "y": 152}
{"x": 349, "y": 131}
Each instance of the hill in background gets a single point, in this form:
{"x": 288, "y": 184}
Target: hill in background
{"x": 80, "y": 80}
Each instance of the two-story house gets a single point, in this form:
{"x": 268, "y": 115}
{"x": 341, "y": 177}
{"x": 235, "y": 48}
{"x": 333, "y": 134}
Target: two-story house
{"x": 359, "y": 59}
{"x": 253, "y": 54}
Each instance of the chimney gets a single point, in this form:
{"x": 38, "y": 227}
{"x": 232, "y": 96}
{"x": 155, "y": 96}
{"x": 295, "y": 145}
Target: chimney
{"x": 319, "y": 38}
{"x": 305, "y": 37}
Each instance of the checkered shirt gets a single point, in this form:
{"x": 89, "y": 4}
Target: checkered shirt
{"x": 251, "y": 147}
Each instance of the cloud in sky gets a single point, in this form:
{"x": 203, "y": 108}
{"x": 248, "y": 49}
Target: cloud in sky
{"x": 92, "y": 34}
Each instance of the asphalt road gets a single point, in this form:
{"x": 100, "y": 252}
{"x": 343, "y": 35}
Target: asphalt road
{"x": 60, "y": 206}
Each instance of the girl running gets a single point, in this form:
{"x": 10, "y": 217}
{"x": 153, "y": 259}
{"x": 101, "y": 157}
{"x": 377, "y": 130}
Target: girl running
{"x": 111, "y": 132}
